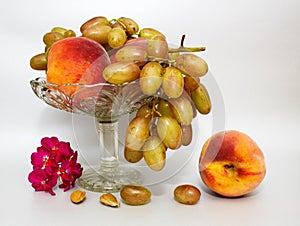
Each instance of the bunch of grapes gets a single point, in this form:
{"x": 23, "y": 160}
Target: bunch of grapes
{"x": 170, "y": 75}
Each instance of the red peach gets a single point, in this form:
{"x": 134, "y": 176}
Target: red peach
{"x": 76, "y": 60}
{"x": 231, "y": 164}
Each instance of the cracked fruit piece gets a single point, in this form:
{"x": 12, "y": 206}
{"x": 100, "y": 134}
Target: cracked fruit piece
{"x": 231, "y": 164}
{"x": 78, "y": 196}
{"x": 76, "y": 60}
{"x": 109, "y": 199}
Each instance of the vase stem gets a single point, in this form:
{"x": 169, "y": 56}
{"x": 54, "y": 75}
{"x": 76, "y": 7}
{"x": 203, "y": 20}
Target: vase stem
{"x": 108, "y": 139}
{"x": 111, "y": 175}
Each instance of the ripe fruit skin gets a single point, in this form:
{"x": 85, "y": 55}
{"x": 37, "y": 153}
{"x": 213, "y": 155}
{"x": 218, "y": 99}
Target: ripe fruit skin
{"x": 76, "y": 60}
{"x": 169, "y": 131}
{"x": 135, "y": 195}
{"x": 231, "y": 164}
{"x": 154, "y": 152}
{"x": 187, "y": 194}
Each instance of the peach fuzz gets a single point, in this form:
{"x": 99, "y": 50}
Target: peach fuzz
{"x": 76, "y": 60}
{"x": 231, "y": 164}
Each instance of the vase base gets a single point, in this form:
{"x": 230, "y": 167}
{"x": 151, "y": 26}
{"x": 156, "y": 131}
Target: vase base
{"x": 109, "y": 180}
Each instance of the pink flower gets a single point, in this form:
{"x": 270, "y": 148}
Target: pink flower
{"x": 53, "y": 160}
{"x": 42, "y": 159}
{"x": 41, "y": 181}
{"x": 69, "y": 171}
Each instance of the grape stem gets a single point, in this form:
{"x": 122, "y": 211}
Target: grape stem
{"x": 182, "y": 48}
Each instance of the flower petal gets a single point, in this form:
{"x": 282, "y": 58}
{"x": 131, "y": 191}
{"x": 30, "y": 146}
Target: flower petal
{"x": 39, "y": 158}
{"x": 50, "y": 143}
{"x": 65, "y": 149}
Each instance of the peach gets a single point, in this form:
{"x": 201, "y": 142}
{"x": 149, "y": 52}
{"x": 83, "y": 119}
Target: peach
{"x": 76, "y": 60}
{"x": 231, "y": 164}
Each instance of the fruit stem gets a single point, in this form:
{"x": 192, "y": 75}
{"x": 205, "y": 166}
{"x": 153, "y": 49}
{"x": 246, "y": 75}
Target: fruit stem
{"x": 186, "y": 49}
{"x": 121, "y": 23}
{"x": 182, "y": 48}
{"x": 114, "y": 21}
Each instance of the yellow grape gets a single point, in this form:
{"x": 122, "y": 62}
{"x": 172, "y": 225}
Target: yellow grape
{"x": 131, "y": 155}
{"x": 158, "y": 47}
{"x": 201, "y": 99}
{"x": 137, "y": 132}
{"x": 153, "y": 129}
{"x": 149, "y": 33}
{"x": 98, "y": 33}
{"x": 169, "y": 131}
{"x": 39, "y": 62}
{"x": 191, "y": 83}
{"x": 116, "y": 37}
{"x": 191, "y": 64}
{"x": 173, "y": 82}
{"x": 151, "y": 78}
{"x": 60, "y": 30}
{"x": 141, "y": 42}
{"x": 93, "y": 21}
{"x": 164, "y": 108}
{"x": 182, "y": 110}
{"x": 69, "y": 33}
{"x": 121, "y": 72}
{"x": 144, "y": 111}
{"x": 154, "y": 152}
{"x": 131, "y": 26}
{"x": 51, "y": 37}
{"x": 187, "y": 134}
{"x": 131, "y": 54}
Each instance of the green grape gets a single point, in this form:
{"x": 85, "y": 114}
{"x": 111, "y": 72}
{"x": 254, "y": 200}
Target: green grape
{"x": 39, "y": 62}
{"x": 169, "y": 131}
{"x": 149, "y": 33}
{"x": 131, "y": 26}
{"x": 191, "y": 64}
{"x": 131, "y": 54}
{"x": 116, "y": 37}
{"x": 137, "y": 132}
{"x": 51, "y": 37}
{"x": 154, "y": 152}
{"x": 172, "y": 82}
{"x": 60, "y": 30}
{"x": 69, "y": 33}
{"x": 182, "y": 110}
{"x": 158, "y": 47}
{"x": 98, "y": 33}
{"x": 201, "y": 99}
{"x": 164, "y": 108}
{"x": 131, "y": 155}
{"x": 187, "y": 134}
{"x": 121, "y": 72}
{"x": 151, "y": 78}
{"x": 93, "y": 21}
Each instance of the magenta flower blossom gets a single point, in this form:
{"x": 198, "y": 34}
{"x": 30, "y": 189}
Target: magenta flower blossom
{"x": 41, "y": 181}
{"x": 52, "y": 161}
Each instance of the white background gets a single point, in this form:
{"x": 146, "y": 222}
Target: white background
{"x": 254, "y": 54}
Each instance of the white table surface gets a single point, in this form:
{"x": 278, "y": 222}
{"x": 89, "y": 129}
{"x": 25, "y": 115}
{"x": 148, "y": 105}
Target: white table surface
{"x": 254, "y": 55}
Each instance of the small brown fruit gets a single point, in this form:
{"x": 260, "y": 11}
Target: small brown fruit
{"x": 187, "y": 194}
{"x": 135, "y": 195}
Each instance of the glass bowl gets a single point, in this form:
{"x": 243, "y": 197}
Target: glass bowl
{"x": 109, "y": 106}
